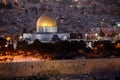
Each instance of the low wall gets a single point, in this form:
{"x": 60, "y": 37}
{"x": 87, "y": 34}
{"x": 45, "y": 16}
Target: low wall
{"x": 70, "y": 67}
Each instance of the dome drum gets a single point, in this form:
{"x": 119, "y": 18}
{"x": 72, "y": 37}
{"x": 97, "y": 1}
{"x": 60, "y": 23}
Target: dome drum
{"x": 47, "y": 29}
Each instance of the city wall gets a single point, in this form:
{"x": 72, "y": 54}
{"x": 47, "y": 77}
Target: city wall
{"x": 60, "y": 67}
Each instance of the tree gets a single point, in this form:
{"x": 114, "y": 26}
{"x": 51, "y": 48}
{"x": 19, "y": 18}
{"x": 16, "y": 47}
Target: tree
{"x": 36, "y": 45}
{"x": 2, "y": 5}
{"x": 22, "y": 45}
{"x": 16, "y": 4}
{"x": 10, "y": 48}
{"x": 24, "y": 30}
{"x": 55, "y": 38}
{"x": 66, "y": 49}
{"x": 101, "y": 34}
{"x": 9, "y": 5}
{"x": 3, "y": 42}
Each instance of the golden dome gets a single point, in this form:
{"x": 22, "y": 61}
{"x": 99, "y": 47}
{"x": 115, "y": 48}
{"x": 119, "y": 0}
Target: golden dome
{"x": 46, "y": 21}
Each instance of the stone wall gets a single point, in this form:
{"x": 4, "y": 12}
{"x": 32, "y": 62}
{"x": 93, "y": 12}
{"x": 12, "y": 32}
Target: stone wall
{"x": 60, "y": 67}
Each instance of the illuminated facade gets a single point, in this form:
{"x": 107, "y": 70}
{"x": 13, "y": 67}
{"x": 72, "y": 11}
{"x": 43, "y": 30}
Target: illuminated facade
{"x": 46, "y": 23}
{"x": 46, "y": 30}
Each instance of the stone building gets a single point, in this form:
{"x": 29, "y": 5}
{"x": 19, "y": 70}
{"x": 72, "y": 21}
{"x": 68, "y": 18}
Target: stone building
{"x": 46, "y": 30}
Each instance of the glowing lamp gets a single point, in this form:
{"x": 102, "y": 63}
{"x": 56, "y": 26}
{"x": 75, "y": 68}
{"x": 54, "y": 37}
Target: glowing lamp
{"x": 8, "y": 38}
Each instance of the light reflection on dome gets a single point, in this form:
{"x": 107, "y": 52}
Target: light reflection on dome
{"x": 46, "y": 21}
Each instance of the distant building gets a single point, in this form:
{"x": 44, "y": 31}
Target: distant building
{"x": 46, "y": 30}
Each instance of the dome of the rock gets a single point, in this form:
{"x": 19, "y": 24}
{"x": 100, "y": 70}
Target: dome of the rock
{"x": 46, "y": 21}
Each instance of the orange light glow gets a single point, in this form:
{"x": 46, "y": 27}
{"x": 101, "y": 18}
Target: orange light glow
{"x": 95, "y": 48}
{"x": 4, "y": 2}
{"x": 101, "y": 45}
{"x": 8, "y": 38}
{"x": 118, "y": 45}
